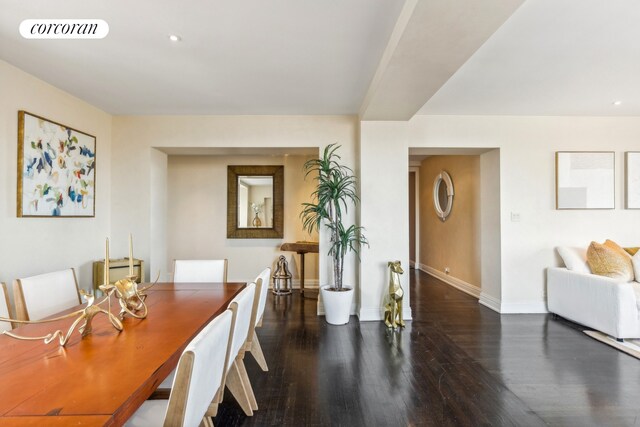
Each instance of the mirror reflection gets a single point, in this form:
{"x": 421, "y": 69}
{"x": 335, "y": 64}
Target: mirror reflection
{"x": 255, "y": 201}
{"x": 443, "y": 197}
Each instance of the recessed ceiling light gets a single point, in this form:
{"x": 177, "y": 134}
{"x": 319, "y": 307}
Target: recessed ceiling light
{"x": 174, "y": 38}
{"x": 616, "y": 103}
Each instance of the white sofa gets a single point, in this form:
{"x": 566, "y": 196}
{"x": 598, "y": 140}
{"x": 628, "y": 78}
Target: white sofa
{"x": 598, "y": 302}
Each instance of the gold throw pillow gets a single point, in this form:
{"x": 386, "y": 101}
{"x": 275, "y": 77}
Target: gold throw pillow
{"x": 616, "y": 247}
{"x": 610, "y": 260}
{"x": 631, "y": 251}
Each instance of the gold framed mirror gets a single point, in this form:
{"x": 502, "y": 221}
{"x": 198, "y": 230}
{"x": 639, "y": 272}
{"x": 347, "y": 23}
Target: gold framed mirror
{"x": 255, "y": 202}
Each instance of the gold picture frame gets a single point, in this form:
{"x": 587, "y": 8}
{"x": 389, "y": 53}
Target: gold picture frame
{"x": 56, "y": 169}
{"x": 234, "y": 230}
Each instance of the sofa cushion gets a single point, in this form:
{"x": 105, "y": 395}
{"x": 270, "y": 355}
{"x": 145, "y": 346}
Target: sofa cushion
{"x": 575, "y": 259}
{"x": 635, "y": 261}
{"x": 610, "y": 260}
{"x": 636, "y": 290}
{"x": 616, "y": 247}
{"x": 631, "y": 251}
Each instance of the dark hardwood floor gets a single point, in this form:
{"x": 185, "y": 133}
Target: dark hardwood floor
{"x": 456, "y": 364}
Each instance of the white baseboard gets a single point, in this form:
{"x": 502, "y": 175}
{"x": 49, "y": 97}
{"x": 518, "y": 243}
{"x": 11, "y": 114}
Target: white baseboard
{"x": 370, "y": 315}
{"x": 490, "y": 302}
{"x": 465, "y": 287}
{"x": 524, "y": 307}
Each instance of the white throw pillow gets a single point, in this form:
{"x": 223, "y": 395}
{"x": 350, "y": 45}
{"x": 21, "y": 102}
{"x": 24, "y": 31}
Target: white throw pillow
{"x": 635, "y": 260}
{"x": 575, "y": 259}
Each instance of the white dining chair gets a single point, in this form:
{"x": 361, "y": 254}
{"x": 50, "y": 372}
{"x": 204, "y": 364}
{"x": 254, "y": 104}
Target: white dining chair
{"x": 5, "y": 310}
{"x": 37, "y": 297}
{"x": 259, "y": 304}
{"x": 199, "y": 271}
{"x": 237, "y": 380}
{"x": 199, "y": 377}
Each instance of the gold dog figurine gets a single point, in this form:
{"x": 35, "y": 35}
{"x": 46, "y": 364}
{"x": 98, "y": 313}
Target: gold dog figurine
{"x": 393, "y": 307}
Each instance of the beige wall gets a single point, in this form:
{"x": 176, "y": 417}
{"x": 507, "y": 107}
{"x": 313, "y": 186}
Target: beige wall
{"x": 454, "y": 243}
{"x": 30, "y": 246}
{"x": 197, "y": 229}
{"x": 140, "y": 185}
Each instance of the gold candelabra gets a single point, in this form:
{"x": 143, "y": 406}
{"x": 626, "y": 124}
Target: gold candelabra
{"x": 130, "y": 298}
{"x": 87, "y": 314}
{"x": 126, "y": 291}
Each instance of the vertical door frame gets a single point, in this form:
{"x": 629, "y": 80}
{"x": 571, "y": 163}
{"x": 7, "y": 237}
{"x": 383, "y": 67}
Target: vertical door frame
{"x": 416, "y": 169}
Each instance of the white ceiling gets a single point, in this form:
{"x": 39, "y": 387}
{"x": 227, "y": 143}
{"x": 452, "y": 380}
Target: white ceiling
{"x": 236, "y": 57}
{"x": 259, "y": 181}
{"x": 430, "y": 42}
{"x": 417, "y": 155}
{"x": 552, "y": 57}
{"x": 240, "y": 151}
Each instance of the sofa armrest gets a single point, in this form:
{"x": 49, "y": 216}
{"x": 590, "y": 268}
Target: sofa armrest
{"x": 599, "y": 302}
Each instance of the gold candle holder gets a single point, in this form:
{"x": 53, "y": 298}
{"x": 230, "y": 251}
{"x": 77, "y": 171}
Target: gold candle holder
{"x": 130, "y": 298}
{"x": 87, "y": 314}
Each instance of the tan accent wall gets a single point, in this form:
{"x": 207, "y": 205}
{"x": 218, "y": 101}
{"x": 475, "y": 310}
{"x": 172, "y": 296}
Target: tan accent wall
{"x": 454, "y": 243}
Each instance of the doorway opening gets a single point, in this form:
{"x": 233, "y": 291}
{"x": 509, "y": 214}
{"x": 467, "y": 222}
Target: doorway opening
{"x": 189, "y": 203}
{"x": 461, "y": 248}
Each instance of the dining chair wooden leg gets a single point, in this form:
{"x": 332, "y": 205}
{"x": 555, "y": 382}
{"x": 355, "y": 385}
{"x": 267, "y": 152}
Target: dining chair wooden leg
{"x": 247, "y": 384}
{"x": 217, "y": 400}
{"x": 213, "y": 409}
{"x": 235, "y": 384}
{"x": 256, "y": 351}
{"x": 206, "y": 422}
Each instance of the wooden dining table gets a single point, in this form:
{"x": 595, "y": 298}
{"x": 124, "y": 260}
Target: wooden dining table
{"x": 101, "y": 379}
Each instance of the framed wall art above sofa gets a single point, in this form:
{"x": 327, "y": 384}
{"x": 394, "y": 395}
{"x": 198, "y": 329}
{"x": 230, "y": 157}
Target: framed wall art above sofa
{"x": 585, "y": 180}
{"x": 632, "y": 179}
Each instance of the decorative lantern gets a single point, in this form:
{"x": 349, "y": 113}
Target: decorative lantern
{"x": 282, "y": 277}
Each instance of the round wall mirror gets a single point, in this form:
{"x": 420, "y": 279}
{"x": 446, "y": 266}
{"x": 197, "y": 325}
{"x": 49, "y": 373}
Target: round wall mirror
{"x": 443, "y": 195}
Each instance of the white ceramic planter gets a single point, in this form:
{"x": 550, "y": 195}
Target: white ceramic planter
{"x": 337, "y": 305}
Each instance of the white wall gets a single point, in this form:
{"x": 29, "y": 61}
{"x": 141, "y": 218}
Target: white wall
{"x": 243, "y": 200}
{"x": 197, "y": 188}
{"x": 527, "y": 186}
{"x": 490, "y": 233}
{"x": 134, "y": 137}
{"x": 384, "y": 163}
{"x": 158, "y": 218}
{"x": 30, "y": 246}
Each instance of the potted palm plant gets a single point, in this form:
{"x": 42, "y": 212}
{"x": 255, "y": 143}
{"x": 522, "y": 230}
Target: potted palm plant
{"x": 335, "y": 192}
